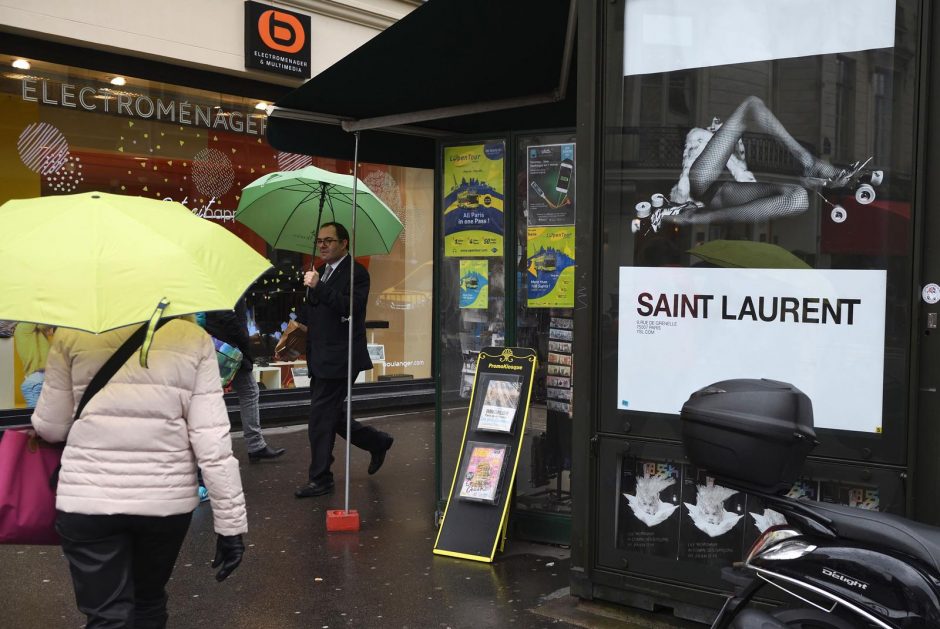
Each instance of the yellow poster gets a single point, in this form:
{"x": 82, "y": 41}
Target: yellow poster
{"x": 550, "y": 267}
{"x": 473, "y": 195}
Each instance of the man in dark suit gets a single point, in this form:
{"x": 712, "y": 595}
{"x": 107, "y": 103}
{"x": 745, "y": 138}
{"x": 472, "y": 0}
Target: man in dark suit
{"x": 326, "y": 314}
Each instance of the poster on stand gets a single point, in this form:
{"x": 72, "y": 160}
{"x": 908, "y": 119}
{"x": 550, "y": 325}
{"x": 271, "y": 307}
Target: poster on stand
{"x": 482, "y": 472}
{"x": 500, "y": 402}
{"x": 649, "y": 507}
{"x": 474, "y": 284}
{"x": 473, "y": 181}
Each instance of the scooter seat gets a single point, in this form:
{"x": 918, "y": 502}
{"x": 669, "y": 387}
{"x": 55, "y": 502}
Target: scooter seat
{"x": 885, "y": 530}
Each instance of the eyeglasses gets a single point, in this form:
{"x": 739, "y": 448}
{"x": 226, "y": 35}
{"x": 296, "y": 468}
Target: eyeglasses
{"x": 326, "y": 241}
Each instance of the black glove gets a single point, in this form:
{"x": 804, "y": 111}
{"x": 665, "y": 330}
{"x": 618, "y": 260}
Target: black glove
{"x": 228, "y": 554}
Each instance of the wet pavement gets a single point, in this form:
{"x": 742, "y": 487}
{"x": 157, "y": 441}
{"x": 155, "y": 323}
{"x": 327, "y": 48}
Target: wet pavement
{"x": 295, "y": 574}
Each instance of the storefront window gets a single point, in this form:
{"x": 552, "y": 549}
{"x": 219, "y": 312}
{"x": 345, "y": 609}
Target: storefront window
{"x": 69, "y": 130}
{"x": 757, "y": 217}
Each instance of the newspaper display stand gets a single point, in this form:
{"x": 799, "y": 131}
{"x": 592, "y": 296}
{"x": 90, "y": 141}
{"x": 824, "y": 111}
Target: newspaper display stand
{"x": 478, "y": 502}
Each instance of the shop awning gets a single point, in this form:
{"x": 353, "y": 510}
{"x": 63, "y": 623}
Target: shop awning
{"x": 448, "y": 67}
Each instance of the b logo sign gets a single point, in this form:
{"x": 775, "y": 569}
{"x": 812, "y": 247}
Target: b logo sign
{"x": 277, "y": 40}
{"x": 281, "y": 31}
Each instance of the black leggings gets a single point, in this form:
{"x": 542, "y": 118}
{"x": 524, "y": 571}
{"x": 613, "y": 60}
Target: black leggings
{"x": 120, "y": 565}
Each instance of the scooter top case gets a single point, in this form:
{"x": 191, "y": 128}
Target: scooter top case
{"x": 754, "y": 434}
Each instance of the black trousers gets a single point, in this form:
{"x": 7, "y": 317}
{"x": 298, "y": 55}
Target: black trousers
{"x": 328, "y": 419}
{"x": 120, "y": 565}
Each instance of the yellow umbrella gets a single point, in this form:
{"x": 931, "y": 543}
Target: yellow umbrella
{"x": 98, "y": 261}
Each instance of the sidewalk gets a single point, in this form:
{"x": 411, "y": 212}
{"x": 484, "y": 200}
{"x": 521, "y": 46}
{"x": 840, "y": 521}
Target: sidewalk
{"x": 295, "y": 574}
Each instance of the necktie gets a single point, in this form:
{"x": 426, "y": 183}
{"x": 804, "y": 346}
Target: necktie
{"x": 326, "y": 273}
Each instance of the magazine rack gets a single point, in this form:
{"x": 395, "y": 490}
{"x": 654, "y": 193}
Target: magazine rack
{"x": 478, "y": 502}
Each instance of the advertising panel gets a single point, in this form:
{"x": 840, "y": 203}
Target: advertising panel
{"x": 473, "y": 183}
{"x": 667, "y": 36}
{"x": 820, "y": 330}
{"x": 550, "y": 211}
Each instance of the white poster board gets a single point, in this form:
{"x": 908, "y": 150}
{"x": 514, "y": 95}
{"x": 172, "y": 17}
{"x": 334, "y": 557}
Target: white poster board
{"x": 821, "y": 330}
{"x": 667, "y": 35}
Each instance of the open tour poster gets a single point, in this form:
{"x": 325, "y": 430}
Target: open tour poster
{"x": 473, "y": 183}
{"x": 550, "y": 267}
{"x": 474, "y": 284}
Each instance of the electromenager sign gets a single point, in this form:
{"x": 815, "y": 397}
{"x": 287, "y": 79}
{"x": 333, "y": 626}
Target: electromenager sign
{"x": 662, "y": 36}
{"x": 277, "y": 40}
{"x": 821, "y": 330}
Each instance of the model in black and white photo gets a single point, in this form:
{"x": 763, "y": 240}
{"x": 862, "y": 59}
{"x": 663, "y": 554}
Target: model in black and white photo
{"x": 703, "y": 194}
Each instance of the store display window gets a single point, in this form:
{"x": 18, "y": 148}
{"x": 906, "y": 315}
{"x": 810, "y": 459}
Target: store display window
{"x": 69, "y": 130}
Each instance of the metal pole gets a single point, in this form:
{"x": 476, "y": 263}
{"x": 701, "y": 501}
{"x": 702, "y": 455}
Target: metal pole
{"x": 352, "y": 271}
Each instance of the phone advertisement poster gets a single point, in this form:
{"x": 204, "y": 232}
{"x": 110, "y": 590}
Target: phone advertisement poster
{"x": 550, "y": 185}
{"x": 473, "y": 195}
{"x": 819, "y": 330}
{"x": 474, "y": 284}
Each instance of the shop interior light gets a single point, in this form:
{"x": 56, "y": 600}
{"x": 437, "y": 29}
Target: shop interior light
{"x": 119, "y": 81}
{"x": 21, "y": 64}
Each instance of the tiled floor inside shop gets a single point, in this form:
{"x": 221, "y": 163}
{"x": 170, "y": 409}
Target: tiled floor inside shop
{"x": 295, "y": 574}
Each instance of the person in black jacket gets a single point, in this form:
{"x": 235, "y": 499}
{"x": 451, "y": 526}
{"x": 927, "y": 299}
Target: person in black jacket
{"x": 231, "y": 326}
{"x": 326, "y": 314}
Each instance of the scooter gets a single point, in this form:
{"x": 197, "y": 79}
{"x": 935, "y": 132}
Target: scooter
{"x": 841, "y": 567}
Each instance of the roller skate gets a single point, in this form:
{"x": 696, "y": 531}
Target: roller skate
{"x": 650, "y": 214}
{"x": 856, "y": 178}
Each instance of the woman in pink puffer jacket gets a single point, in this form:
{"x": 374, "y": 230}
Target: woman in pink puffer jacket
{"x": 127, "y": 487}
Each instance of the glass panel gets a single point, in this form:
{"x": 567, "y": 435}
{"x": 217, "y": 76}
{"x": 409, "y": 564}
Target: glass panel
{"x": 545, "y": 215}
{"x": 68, "y": 130}
{"x": 757, "y": 212}
{"x": 471, "y": 292}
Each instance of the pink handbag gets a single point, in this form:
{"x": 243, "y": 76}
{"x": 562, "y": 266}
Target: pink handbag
{"x": 27, "y": 498}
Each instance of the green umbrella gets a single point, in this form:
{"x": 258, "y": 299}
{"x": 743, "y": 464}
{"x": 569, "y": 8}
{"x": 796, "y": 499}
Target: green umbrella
{"x": 98, "y": 261}
{"x": 748, "y": 255}
{"x": 287, "y": 208}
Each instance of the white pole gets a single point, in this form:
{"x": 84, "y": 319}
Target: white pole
{"x": 352, "y": 321}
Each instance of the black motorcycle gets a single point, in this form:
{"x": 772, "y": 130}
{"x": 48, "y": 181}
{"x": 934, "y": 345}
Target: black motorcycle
{"x": 842, "y": 567}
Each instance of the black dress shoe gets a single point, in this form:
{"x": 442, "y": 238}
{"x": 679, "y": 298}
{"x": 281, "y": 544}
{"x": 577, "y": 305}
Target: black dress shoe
{"x": 312, "y": 489}
{"x": 267, "y": 453}
{"x": 378, "y": 457}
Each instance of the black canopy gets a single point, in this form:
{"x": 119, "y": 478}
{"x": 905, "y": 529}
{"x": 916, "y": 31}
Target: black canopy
{"x": 448, "y": 67}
